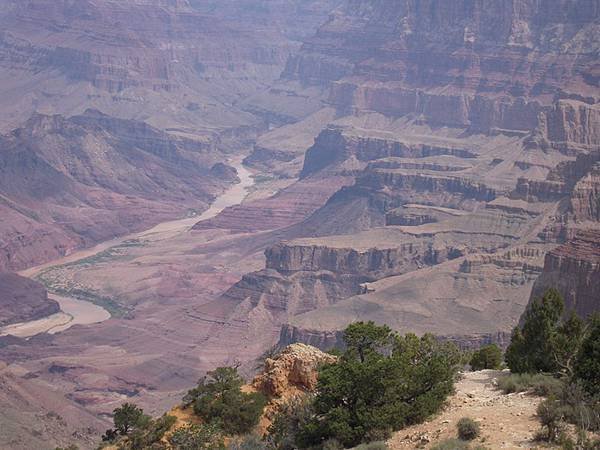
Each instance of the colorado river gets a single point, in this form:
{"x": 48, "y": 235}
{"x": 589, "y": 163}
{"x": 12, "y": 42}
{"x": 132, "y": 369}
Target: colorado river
{"x": 79, "y": 312}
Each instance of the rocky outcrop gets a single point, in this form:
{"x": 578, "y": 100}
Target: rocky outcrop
{"x": 370, "y": 263}
{"x": 293, "y": 369}
{"x": 22, "y": 300}
{"x": 336, "y": 145}
{"x": 585, "y": 197}
{"x": 572, "y": 126}
{"x": 286, "y": 295}
{"x": 574, "y": 269}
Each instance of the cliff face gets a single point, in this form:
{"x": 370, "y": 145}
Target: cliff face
{"x": 176, "y": 64}
{"x": 574, "y": 269}
{"x": 22, "y": 300}
{"x": 500, "y": 62}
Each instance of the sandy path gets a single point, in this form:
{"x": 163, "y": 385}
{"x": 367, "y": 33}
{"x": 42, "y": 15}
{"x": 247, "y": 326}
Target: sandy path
{"x": 78, "y": 312}
{"x": 507, "y": 421}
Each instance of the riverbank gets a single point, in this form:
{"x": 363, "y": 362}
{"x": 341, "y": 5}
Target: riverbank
{"x": 76, "y": 311}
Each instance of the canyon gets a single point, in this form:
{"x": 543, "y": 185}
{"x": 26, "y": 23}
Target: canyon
{"x": 226, "y": 177}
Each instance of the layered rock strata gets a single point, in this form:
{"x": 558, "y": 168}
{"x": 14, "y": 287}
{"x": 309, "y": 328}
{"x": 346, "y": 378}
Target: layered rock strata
{"x": 393, "y": 56}
{"x": 574, "y": 269}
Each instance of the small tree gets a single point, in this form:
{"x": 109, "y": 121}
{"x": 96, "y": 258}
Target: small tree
{"x": 531, "y": 348}
{"x": 587, "y": 366}
{"x": 566, "y": 343}
{"x": 366, "y": 338}
{"x": 487, "y": 357}
{"x": 128, "y": 417}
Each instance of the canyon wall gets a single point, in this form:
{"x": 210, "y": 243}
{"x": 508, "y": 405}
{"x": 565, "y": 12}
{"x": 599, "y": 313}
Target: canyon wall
{"x": 501, "y": 63}
{"x": 574, "y": 270}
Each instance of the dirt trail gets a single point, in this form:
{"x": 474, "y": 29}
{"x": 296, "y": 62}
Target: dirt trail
{"x": 507, "y": 421}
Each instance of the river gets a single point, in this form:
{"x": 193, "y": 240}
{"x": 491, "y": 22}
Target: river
{"x": 79, "y": 312}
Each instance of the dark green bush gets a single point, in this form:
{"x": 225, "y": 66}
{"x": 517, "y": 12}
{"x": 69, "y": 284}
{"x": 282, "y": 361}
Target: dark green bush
{"x": 289, "y": 425}
{"x": 219, "y": 400}
{"x": 128, "y": 417}
{"x": 467, "y": 429}
{"x": 487, "y": 357}
{"x": 587, "y": 366}
{"x": 382, "y": 382}
{"x": 531, "y": 348}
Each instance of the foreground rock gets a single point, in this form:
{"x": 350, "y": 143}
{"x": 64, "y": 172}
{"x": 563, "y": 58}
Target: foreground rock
{"x": 292, "y": 370}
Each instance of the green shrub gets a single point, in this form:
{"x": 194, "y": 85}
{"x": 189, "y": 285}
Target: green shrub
{"x": 580, "y": 408}
{"x": 332, "y": 444}
{"x": 382, "y": 382}
{"x": 128, "y": 417}
{"x": 531, "y": 348}
{"x": 195, "y": 437}
{"x": 587, "y": 365}
{"x": 539, "y": 384}
{"x": 467, "y": 429}
{"x": 551, "y": 415}
{"x": 219, "y": 400}
{"x": 487, "y": 357}
{"x": 290, "y": 423}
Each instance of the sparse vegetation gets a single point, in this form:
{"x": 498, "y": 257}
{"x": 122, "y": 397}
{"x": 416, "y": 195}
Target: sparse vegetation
{"x": 134, "y": 430}
{"x": 487, "y": 357}
{"x": 539, "y": 384}
{"x": 569, "y": 349}
{"x": 248, "y": 442}
{"x": 467, "y": 429}
{"x": 218, "y": 399}
{"x": 197, "y": 437}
